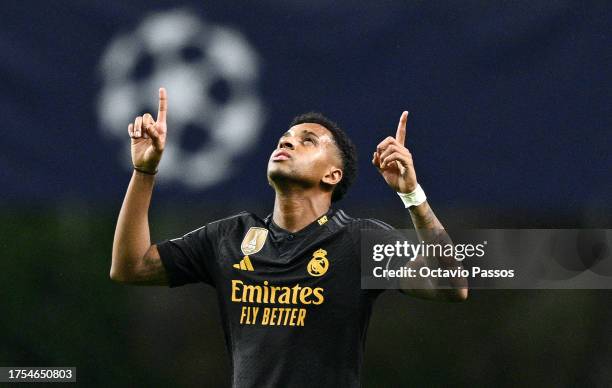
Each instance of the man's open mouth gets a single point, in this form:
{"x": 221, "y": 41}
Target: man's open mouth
{"x": 280, "y": 155}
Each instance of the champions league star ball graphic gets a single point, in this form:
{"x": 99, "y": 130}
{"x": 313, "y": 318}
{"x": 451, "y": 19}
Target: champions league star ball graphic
{"x": 210, "y": 72}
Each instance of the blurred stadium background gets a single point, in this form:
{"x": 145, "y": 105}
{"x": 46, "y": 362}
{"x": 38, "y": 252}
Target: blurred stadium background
{"x": 509, "y": 127}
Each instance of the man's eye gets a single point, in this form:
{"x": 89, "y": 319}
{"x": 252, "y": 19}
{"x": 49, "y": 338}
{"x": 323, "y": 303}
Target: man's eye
{"x": 308, "y": 139}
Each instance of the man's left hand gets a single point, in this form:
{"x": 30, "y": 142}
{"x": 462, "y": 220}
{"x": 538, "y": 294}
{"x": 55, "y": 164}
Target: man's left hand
{"x": 394, "y": 161}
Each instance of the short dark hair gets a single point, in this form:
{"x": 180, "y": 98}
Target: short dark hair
{"x": 348, "y": 152}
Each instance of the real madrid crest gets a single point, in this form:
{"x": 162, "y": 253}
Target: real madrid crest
{"x": 253, "y": 240}
{"x": 318, "y": 265}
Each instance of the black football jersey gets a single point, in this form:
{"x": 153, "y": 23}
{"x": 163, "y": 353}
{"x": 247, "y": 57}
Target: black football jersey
{"x": 292, "y": 307}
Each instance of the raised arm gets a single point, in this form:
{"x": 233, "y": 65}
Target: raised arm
{"x": 134, "y": 259}
{"x": 394, "y": 162}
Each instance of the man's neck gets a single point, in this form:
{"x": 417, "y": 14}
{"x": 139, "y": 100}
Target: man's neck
{"x": 294, "y": 211}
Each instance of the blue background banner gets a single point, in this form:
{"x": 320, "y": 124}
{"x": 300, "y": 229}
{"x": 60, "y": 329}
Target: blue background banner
{"x": 510, "y": 105}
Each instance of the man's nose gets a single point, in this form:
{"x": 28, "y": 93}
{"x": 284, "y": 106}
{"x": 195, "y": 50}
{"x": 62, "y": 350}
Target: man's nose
{"x": 287, "y": 143}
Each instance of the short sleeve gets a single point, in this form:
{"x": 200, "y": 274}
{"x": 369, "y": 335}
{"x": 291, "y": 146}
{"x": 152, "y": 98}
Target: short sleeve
{"x": 188, "y": 259}
{"x": 383, "y": 233}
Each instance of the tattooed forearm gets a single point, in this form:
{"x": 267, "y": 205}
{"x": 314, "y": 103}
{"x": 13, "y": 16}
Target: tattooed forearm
{"x": 430, "y": 230}
{"x": 427, "y": 225}
{"x": 424, "y": 218}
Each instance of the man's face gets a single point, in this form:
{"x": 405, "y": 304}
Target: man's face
{"x": 306, "y": 153}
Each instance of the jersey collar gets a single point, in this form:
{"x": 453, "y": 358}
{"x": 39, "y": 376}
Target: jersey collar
{"x": 319, "y": 222}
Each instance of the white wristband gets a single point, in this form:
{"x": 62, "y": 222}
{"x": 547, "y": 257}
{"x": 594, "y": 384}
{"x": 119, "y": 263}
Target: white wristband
{"x": 414, "y": 198}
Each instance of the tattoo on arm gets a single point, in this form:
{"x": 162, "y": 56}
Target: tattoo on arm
{"x": 151, "y": 270}
{"x": 430, "y": 230}
{"x": 427, "y": 225}
{"x": 424, "y": 218}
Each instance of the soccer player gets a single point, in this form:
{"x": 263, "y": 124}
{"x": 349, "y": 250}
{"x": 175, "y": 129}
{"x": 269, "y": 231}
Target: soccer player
{"x": 288, "y": 285}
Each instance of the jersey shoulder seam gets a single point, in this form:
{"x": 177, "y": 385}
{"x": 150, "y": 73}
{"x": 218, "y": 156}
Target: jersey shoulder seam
{"x": 341, "y": 219}
{"x": 377, "y": 222}
{"x": 242, "y": 213}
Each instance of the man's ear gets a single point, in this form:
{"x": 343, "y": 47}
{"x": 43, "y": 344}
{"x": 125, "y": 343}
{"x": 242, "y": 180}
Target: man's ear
{"x": 333, "y": 176}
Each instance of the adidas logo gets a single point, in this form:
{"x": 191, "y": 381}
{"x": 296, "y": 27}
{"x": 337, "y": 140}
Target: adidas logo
{"x": 245, "y": 264}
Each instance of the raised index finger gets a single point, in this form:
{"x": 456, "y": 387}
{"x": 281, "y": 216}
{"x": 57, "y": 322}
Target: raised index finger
{"x": 400, "y": 135}
{"x": 163, "y": 105}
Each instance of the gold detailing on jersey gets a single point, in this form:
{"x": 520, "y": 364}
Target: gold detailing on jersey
{"x": 245, "y": 264}
{"x": 318, "y": 265}
{"x": 254, "y": 240}
{"x": 322, "y": 220}
{"x": 268, "y": 294}
{"x": 272, "y": 316}
{"x": 268, "y": 305}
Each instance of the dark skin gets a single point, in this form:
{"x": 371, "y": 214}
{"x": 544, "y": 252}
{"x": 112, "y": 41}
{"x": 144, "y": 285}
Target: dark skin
{"x": 303, "y": 170}
{"x": 304, "y": 178}
{"x": 394, "y": 162}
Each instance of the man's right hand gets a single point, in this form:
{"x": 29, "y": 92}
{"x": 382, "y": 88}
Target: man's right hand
{"x": 149, "y": 137}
